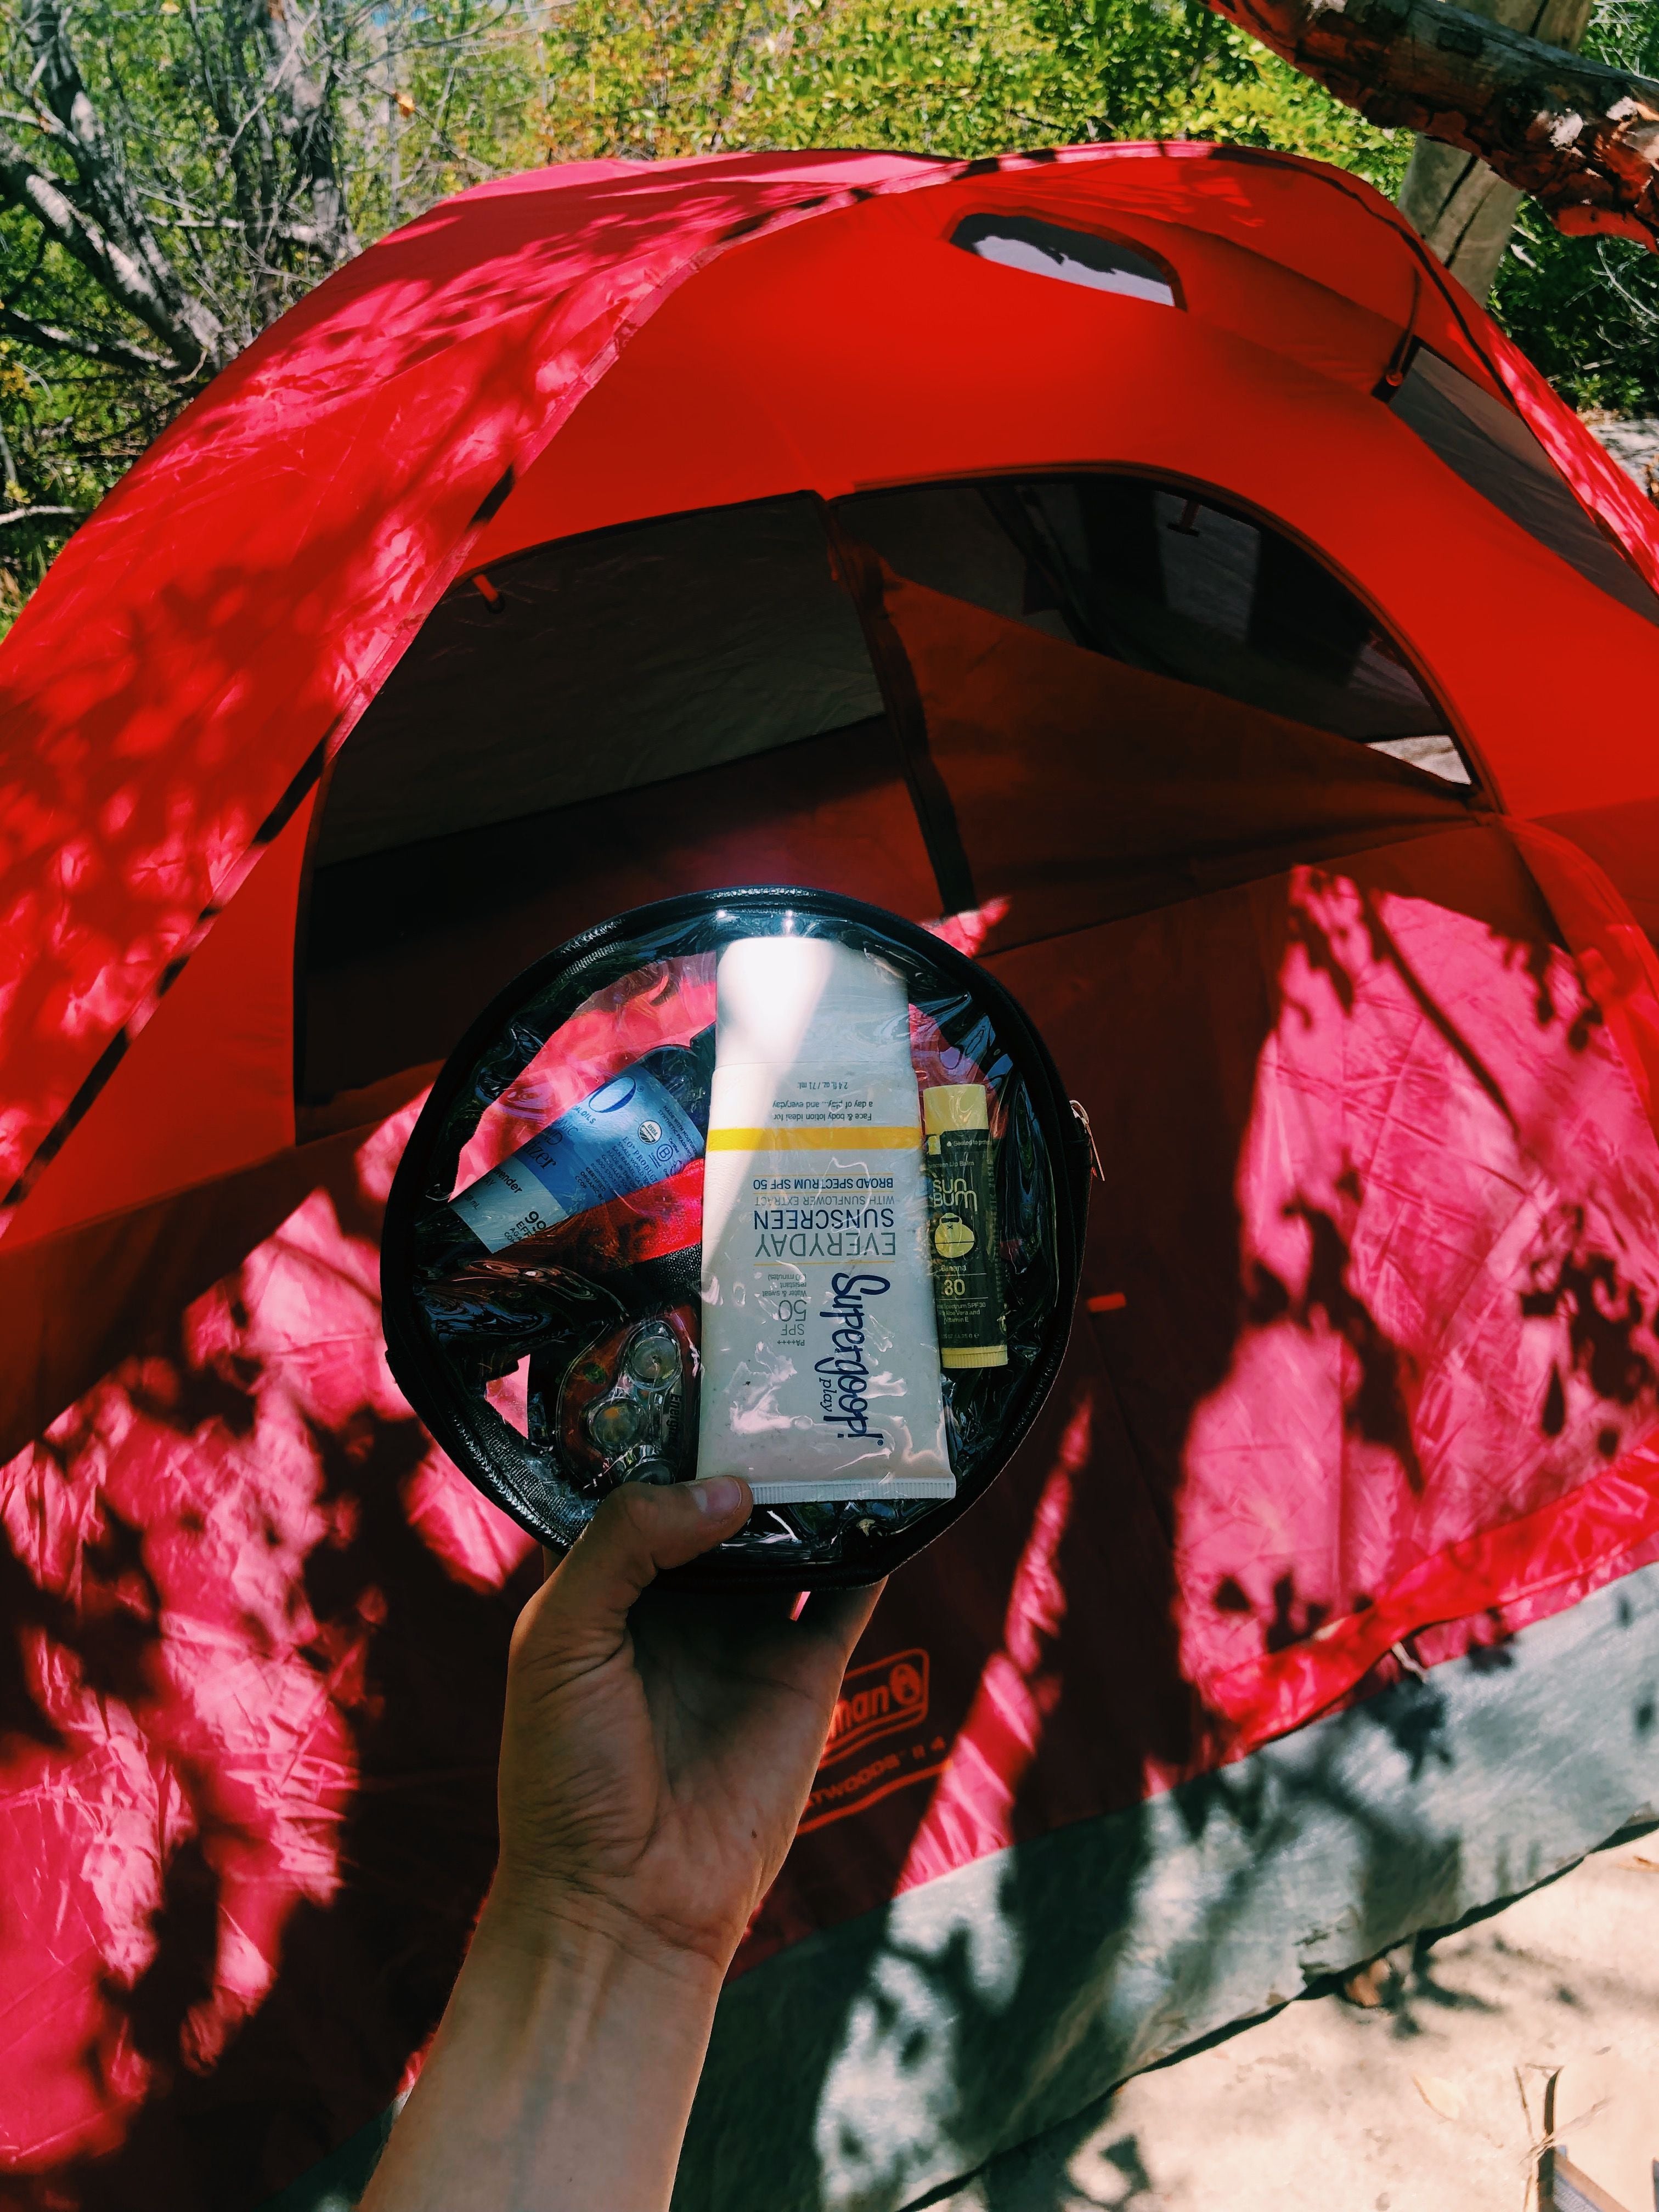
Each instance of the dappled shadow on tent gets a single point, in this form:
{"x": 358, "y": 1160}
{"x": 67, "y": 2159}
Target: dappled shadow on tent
{"x": 361, "y": 1965}
{"x": 1392, "y": 1215}
{"x": 256, "y": 1648}
{"x": 253, "y": 1691}
{"x": 265, "y": 650}
{"x": 1378, "y": 1181}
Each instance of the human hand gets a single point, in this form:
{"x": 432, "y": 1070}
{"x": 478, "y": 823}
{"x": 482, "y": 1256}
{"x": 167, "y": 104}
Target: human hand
{"x": 658, "y": 1748}
{"x": 656, "y": 1751}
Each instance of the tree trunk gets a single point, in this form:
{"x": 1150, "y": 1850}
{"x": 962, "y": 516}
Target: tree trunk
{"x": 103, "y": 224}
{"x": 1581, "y": 137}
{"x": 1462, "y": 209}
{"x": 299, "y": 81}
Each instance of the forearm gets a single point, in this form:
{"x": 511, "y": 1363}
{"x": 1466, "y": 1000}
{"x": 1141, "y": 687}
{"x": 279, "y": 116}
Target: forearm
{"x": 561, "y": 2079}
{"x": 654, "y": 1760}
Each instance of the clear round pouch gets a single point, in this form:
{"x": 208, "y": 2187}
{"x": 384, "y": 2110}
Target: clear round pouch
{"x": 763, "y": 1182}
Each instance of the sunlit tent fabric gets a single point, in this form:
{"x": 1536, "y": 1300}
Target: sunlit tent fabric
{"x": 1143, "y": 561}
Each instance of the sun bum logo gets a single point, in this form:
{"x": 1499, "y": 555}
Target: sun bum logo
{"x": 877, "y": 1700}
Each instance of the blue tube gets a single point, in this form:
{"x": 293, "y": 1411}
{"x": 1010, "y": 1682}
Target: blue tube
{"x": 644, "y": 1125}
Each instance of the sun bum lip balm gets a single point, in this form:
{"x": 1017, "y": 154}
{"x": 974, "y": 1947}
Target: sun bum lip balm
{"x": 962, "y": 1208}
{"x": 821, "y": 1376}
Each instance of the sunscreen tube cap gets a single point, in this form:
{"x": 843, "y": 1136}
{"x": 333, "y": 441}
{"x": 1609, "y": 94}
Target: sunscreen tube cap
{"x": 775, "y": 991}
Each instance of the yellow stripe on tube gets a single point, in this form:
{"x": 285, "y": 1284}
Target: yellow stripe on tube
{"x": 887, "y": 1136}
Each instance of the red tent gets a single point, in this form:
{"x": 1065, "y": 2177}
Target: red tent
{"x": 1146, "y": 558}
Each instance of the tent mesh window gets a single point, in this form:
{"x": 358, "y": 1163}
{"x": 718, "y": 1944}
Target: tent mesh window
{"x": 1166, "y": 578}
{"x": 689, "y": 703}
{"x": 1495, "y": 454}
{"x": 1074, "y": 257}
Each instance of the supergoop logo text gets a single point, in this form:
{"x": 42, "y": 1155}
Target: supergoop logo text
{"x": 844, "y": 1386}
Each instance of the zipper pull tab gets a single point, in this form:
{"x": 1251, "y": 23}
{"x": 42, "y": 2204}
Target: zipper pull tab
{"x": 1082, "y": 1113}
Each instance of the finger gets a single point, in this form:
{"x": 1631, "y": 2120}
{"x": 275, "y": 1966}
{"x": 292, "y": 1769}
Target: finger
{"x": 811, "y": 1652}
{"x": 839, "y": 1617}
{"x": 638, "y": 1532}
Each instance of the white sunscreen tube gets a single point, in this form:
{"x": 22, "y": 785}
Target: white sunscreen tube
{"x": 820, "y": 1348}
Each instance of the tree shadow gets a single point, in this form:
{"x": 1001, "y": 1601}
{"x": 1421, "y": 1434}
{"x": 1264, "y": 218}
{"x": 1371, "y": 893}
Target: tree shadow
{"x": 361, "y": 1980}
{"x": 985, "y": 2006}
{"x": 989, "y": 2013}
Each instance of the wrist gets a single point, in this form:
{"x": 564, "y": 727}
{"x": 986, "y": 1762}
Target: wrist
{"x": 585, "y": 1941}
{"x": 563, "y": 2073}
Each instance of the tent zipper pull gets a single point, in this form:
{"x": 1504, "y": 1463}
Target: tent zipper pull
{"x": 1082, "y": 1113}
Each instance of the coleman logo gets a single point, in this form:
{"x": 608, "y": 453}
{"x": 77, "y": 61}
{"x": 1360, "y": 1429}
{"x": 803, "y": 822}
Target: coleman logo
{"x": 887, "y": 1699}
{"x": 877, "y": 1700}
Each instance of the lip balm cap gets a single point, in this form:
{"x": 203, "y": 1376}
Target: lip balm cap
{"x": 954, "y": 1106}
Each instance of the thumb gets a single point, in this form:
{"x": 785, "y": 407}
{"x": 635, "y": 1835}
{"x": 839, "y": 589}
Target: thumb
{"x": 638, "y": 1530}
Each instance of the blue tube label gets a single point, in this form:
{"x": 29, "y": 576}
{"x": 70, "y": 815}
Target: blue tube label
{"x": 628, "y": 1134}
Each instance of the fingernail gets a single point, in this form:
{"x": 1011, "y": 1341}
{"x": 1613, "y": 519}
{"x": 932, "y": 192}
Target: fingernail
{"x": 718, "y": 1495}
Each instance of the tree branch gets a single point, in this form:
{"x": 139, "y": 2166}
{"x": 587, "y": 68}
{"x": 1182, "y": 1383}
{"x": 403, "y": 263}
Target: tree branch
{"x": 115, "y": 353}
{"x": 32, "y": 513}
{"x": 307, "y": 119}
{"x": 111, "y": 235}
{"x": 115, "y": 271}
{"x": 1582, "y": 138}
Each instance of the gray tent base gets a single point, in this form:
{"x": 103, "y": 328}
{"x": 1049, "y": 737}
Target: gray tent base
{"x": 869, "y": 2065}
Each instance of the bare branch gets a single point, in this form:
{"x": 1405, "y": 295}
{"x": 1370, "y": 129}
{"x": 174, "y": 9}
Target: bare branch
{"x": 32, "y": 514}
{"x": 36, "y": 118}
{"x": 184, "y": 327}
{"x": 113, "y": 237}
{"x": 307, "y": 119}
{"x": 116, "y": 353}
{"x": 1582, "y": 138}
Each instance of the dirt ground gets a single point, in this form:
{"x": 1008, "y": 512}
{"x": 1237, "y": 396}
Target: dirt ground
{"x": 1632, "y": 440}
{"x": 1438, "y": 2099}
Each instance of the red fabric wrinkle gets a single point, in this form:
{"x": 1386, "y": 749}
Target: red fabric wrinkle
{"x": 166, "y": 1519}
{"x": 476, "y": 1542}
{"x": 1614, "y": 953}
{"x": 1580, "y": 1541}
{"x": 1449, "y": 1192}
